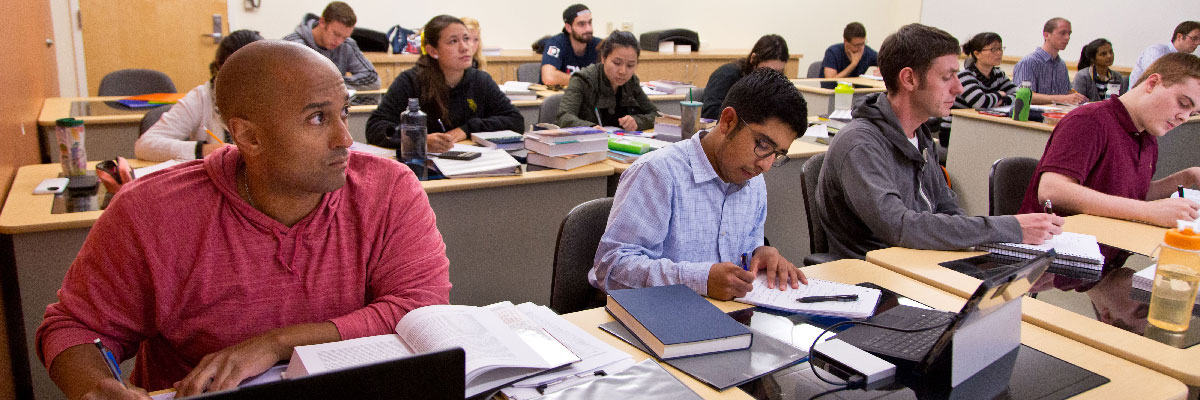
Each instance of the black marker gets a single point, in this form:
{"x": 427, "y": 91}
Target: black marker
{"x": 818, "y": 299}
{"x": 1180, "y": 191}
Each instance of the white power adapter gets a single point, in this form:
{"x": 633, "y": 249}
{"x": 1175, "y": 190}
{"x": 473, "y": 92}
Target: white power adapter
{"x": 845, "y": 361}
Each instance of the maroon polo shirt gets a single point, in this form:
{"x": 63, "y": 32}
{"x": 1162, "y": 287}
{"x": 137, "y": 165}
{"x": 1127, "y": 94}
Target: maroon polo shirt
{"x": 1098, "y": 145}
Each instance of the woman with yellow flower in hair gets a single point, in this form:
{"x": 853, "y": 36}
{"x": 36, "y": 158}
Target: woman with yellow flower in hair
{"x": 458, "y": 99}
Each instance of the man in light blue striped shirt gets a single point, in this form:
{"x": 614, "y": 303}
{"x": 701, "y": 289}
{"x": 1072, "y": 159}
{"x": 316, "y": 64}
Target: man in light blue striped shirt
{"x": 1184, "y": 39}
{"x": 1046, "y": 70}
{"x": 692, "y": 213}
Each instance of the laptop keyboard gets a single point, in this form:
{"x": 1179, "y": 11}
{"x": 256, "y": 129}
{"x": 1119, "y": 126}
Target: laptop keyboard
{"x": 910, "y": 344}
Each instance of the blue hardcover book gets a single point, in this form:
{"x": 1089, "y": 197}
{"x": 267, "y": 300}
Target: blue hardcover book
{"x": 673, "y": 321}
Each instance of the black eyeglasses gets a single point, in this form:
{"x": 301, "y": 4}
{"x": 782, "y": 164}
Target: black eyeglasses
{"x": 764, "y": 148}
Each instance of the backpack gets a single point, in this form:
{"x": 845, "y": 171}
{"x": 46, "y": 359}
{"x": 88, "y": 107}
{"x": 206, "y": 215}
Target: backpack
{"x": 370, "y": 40}
{"x": 398, "y": 36}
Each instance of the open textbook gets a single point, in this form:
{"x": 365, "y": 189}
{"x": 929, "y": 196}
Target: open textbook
{"x": 502, "y": 345}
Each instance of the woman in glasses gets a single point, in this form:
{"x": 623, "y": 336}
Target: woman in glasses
{"x": 984, "y": 83}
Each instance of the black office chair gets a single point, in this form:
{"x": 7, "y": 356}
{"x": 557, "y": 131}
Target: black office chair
{"x": 151, "y": 118}
{"x": 578, "y": 237}
{"x": 817, "y": 242}
{"x": 132, "y": 82}
{"x": 814, "y": 70}
{"x": 529, "y": 72}
{"x": 548, "y": 113}
{"x": 1007, "y": 182}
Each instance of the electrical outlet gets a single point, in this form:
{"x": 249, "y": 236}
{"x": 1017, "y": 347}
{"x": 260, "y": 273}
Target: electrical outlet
{"x": 627, "y": 26}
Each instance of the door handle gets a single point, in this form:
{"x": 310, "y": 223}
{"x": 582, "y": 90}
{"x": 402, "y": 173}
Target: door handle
{"x": 216, "y": 34}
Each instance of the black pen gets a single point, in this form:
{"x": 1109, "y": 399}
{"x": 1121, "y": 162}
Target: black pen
{"x": 818, "y": 299}
{"x": 1047, "y": 207}
{"x": 1180, "y": 191}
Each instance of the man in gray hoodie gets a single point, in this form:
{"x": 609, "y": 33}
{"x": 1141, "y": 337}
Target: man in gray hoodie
{"x": 880, "y": 183}
{"x": 330, "y": 36}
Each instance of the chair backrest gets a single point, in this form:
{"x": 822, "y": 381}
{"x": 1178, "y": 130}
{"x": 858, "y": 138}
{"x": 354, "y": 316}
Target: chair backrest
{"x": 814, "y": 69}
{"x": 151, "y": 117}
{"x": 578, "y": 237}
{"x": 1007, "y": 183}
{"x": 809, "y": 173}
{"x": 549, "y": 111}
{"x": 131, "y": 82}
{"x": 529, "y": 72}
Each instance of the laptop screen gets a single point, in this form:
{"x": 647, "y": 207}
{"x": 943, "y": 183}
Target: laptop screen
{"x": 991, "y": 294}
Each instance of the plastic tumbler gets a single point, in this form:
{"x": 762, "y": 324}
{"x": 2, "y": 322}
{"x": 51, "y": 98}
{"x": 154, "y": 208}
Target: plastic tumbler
{"x": 689, "y": 121}
{"x": 1176, "y": 280}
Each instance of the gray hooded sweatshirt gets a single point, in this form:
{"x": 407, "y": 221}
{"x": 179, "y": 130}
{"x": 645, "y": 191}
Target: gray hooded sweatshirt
{"x": 878, "y": 191}
{"x": 347, "y": 57}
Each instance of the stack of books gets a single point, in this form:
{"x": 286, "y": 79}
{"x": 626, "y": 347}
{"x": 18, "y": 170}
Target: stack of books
{"x": 670, "y": 87}
{"x": 627, "y": 148}
{"x": 566, "y": 148}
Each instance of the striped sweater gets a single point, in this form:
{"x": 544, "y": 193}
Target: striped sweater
{"x": 984, "y": 92}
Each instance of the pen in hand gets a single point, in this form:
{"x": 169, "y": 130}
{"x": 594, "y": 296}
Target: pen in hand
{"x": 441, "y": 125}
{"x": 1180, "y": 188}
{"x": 818, "y": 299}
{"x": 1047, "y": 207}
{"x": 110, "y": 361}
{"x": 745, "y": 265}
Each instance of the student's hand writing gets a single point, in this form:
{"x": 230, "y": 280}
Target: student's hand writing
{"x": 227, "y": 368}
{"x": 1165, "y": 212}
{"x": 111, "y": 389}
{"x": 439, "y": 142}
{"x": 1072, "y": 98}
{"x": 726, "y": 281}
{"x": 1038, "y": 227}
{"x": 628, "y": 123}
{"x": 781, "y": 273}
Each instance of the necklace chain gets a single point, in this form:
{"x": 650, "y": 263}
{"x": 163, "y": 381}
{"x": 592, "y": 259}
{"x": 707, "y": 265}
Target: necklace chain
{"x": 246, "y": 189}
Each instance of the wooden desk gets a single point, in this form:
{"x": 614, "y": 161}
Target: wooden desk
{"x": 1127, "y": 379}
{"x": 820, "y": 100}
{"x": 694, "y": 67}
{"x": 787, "y": 221}
{"x": 499, "y": 232}
{"x": 922, "y": 265}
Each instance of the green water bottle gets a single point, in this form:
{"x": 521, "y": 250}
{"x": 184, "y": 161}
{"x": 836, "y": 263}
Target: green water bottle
{"x": 1020, "y": 108}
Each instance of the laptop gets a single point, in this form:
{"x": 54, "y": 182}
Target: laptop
{"x": 922, "y": 349}
{"x": 436, "y": 375}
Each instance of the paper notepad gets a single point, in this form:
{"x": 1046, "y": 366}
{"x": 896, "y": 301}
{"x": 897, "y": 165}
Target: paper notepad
{"x": 786, "y": 299}
{"x": 1074, "y": 250}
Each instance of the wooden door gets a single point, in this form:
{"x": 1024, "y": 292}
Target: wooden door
{"x": 163, "y": 35}
{"x": 30, "y": 75}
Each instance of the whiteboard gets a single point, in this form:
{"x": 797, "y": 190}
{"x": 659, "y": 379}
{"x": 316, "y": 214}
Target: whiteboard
{"x": 1131, "y": 26}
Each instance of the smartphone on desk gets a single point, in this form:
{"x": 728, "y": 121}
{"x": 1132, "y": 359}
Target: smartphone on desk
{"x": 460, "y": 155}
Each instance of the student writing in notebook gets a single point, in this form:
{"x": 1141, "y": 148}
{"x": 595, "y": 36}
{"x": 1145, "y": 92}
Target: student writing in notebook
{"x": 770, "y": 51}
{"x": 182, "y": 132}
{"x": 1101, "y": 158}
{"x": 689, "y": 212}
{"x": 212, "y": 271}
{"x": 608, "y": 93}
{"x": 457, "y": 99}
{"x": 880, "y": 184}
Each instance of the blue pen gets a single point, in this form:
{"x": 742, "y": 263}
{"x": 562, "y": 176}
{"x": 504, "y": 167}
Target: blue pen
{"x": 110, "y": 360}
{"x": 745, "y": 265}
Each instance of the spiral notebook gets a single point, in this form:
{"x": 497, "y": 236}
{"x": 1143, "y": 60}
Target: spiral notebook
{"x": 1074, "y": 250}
{"x": 786, "y": 300}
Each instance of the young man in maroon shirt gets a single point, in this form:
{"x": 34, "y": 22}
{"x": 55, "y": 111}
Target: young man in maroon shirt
{"x": 210, "y": 272}
{"x": 1100, "y": 159}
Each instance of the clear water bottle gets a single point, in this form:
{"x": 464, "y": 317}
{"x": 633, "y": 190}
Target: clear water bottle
{"x": 843, "y": 96}
{"x": 1020, "y": 108}
{"x": 412, "y": 140}
{"x": 1176, "y": 280}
